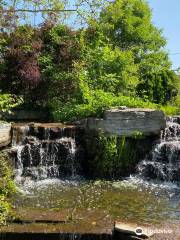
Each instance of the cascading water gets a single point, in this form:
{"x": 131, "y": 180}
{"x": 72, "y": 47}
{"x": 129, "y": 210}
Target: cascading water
{"x": 49, "y": 151}
{"x": 42, "y": 152}
{"x": 164, "y": 160}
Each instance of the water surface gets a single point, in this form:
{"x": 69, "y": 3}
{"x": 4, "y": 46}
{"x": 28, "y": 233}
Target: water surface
{"x": 131, "y": 200}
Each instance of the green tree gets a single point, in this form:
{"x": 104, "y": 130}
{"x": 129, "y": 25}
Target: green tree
{"x": 107, "y": 67}
{"x": 158, "y": 87}
{"x": 127, "y": 26}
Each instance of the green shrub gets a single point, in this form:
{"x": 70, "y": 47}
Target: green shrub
{"x": 4, "y": 209}
{"x": 95, "y": 105}
{"x": 7, "y": 187}
{"x": 9, "y": 101}
{"x": 115, "y": 157}
{"x": 170, "y": 110}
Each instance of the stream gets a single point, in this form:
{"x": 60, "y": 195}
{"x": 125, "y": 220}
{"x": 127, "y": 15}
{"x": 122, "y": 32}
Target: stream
{"x": 51, "y": 187}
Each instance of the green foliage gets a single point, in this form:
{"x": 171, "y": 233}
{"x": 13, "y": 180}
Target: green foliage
{"x": 127, "y": 26}
{"x": 137, "y": 135}
{"x": 4, "y": 210}
{"x": 7, "y": 187}
{"x": 177, "y": 98}
{"x": 61, "y": 49}
{"x": 107, "y": 67}
{"x": 170, "y": 110}
{"x": 8, "y": 101}
{"x": 158, "y": 87}
{"x": 114, "y": 157}
{"x": 96, "y": 103}
{"x": 118, "y": 59}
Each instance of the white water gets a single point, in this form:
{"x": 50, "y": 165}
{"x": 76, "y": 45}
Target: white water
{"x": 38, "y": 159}
{"x": 47, "y": 174}
{"x": 164, "y": 162}
{"x": 45, "y": 158}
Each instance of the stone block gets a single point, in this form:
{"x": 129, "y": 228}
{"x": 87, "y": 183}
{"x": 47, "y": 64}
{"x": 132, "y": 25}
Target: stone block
{"x": 128, "y": 122}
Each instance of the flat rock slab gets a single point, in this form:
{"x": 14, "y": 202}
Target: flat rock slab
{"x": 41, "y": 216}
{"x": 128, "y": 112}
{"x": 128, "y": 122}
{"x": 59, "y": 221}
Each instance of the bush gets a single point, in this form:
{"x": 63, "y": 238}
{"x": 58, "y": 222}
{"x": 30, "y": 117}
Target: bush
{"x": 4, "y": 209}
{"x": 97, "y": 103}
{"x": 170, "y": 110}
{"x": 7, "y": 187}
{"x": 37, "y": 63}
{"x": 9, "y": 101}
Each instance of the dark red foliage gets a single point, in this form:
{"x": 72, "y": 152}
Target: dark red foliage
{"x": 21, "y": 59}
{"x": 29, "y": 72}
{"x": 25, "y": 75}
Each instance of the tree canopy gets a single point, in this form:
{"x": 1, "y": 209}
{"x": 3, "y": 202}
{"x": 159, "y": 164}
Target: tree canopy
{"x": 118, "y": 54}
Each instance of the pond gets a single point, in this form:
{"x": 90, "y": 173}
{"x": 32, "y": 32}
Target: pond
{"x": 83, "y": 204}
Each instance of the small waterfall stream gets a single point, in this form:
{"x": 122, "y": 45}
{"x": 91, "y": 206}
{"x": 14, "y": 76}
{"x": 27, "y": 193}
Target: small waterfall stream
{"x": 55, "y": 154}
{"x": 164, "y": 160}
{"x": 42, "y": 152}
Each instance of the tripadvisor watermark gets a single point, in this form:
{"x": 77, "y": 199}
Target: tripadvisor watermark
{"x": 149, "y": 231}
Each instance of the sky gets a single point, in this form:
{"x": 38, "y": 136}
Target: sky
{"x": 166, "y": 15}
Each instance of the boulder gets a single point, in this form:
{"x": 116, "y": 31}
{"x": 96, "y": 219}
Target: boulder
{"x": 128, "y": 122}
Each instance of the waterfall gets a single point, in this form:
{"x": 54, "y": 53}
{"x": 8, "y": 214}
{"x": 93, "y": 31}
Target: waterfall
{"x": 164, "y": 160}
{"x": 42, "y": 152}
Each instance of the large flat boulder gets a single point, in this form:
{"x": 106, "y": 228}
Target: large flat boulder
{"x": 5, "y": 134}
{"x": 129, "y": 122}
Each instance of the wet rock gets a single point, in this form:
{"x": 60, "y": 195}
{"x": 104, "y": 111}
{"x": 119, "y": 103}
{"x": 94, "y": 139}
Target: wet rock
{"x": 175, "y": 119}
{"x": 46, "y": 150}
{"x": 164, "y": 161}
{"x": 131, "y": 231}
